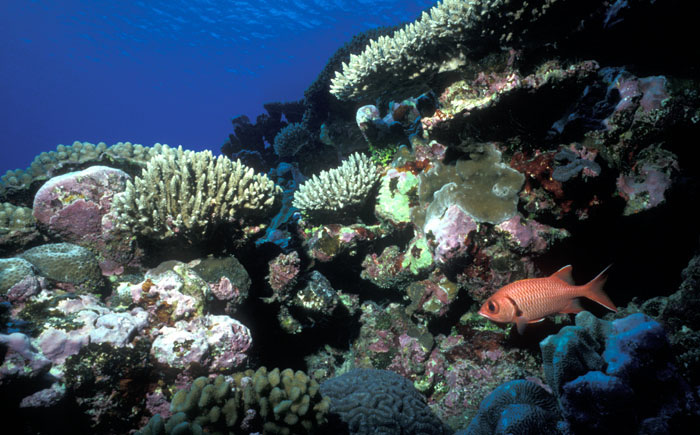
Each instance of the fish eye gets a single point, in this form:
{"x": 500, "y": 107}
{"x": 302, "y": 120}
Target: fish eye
{"x": 492, "y": 307}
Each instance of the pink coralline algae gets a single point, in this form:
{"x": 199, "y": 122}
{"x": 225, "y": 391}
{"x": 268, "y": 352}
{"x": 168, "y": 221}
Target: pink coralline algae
{"x": 451, "y": 234}
{"x": 410, "y": 357}
{"x": 385, "y": 270}
{"x": 647, "y": 92}
{"x": 22, "y": 291}
{"x": 644, "y": 189}
{"x": 21, "y": 359}
{"x": 223, "y": 290}
{"x": 75, "y": 207}
{"x": 529, "y": 236}
{"x": 90, "y": 323}
{"x": 217, "y": 343}
{"x": 162, "y": 297}
{"x": 431, "y": 296}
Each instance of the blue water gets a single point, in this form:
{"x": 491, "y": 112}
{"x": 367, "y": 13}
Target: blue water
{"x": 174, "y": 72}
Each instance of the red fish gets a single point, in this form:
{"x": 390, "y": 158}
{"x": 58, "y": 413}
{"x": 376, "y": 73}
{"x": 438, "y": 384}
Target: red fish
{"x": 530, "y": 300}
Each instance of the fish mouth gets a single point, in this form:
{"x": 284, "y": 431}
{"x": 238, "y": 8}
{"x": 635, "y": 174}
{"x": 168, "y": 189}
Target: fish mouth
{"x": 482, "y": 314}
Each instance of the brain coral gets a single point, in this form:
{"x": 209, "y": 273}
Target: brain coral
{"x": 371, "y": 401}
{"x": 188, "y": 194}
{"x": 67, "y": 263}
{"x": 516, "y": 407}
{"x": 338, "y": 192}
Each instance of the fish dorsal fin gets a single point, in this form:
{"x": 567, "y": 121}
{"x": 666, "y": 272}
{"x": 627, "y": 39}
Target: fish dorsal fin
{"x": 564, "y": 274}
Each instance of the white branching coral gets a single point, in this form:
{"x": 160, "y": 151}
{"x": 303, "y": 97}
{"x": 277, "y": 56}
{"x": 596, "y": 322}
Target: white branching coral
{"x": 338, "y": 191}
{"x": 441, "y": 40}
{"x": 188, "y": 194}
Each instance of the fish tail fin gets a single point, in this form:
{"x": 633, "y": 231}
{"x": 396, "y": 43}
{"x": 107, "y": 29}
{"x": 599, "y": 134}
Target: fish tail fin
{"x": 594, "y": 290}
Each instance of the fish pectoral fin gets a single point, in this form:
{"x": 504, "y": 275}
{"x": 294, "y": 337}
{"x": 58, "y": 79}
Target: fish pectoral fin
{"x": 564, "y": 274}
{"x": 573, "y": 307}
{"x": 521, "y": 322}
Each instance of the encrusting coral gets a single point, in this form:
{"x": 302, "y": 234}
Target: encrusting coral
{"x": 339, "y": 191}
{"x": 188, "y": 194}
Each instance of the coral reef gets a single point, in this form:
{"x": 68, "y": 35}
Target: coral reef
{"x": 488, "y": 142}
{"x": 445, "y": 39}
{"x": 483, "y": 187}
{"x": 19, "y": 186}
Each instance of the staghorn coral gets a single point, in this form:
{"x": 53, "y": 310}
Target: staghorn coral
{"x": 338, "y": 192}
{"x": 187, "y": 194}
{"x": 13, "y": 218}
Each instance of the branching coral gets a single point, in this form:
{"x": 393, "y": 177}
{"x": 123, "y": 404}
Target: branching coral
{"x": 187, "y": 194}
{"x": 445, "y": 38}
{"x": 337, "y": 192}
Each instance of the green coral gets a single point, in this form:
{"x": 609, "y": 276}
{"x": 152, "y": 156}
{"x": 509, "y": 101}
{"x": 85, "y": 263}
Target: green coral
{"x": 418, "y": 258}
{"x": 339, "y": 192}
{"x": 382, "y": 155}
{"x": 188, "y": 195}
{"x": 398, "y": 192}
{"x": 285, "y": 402}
